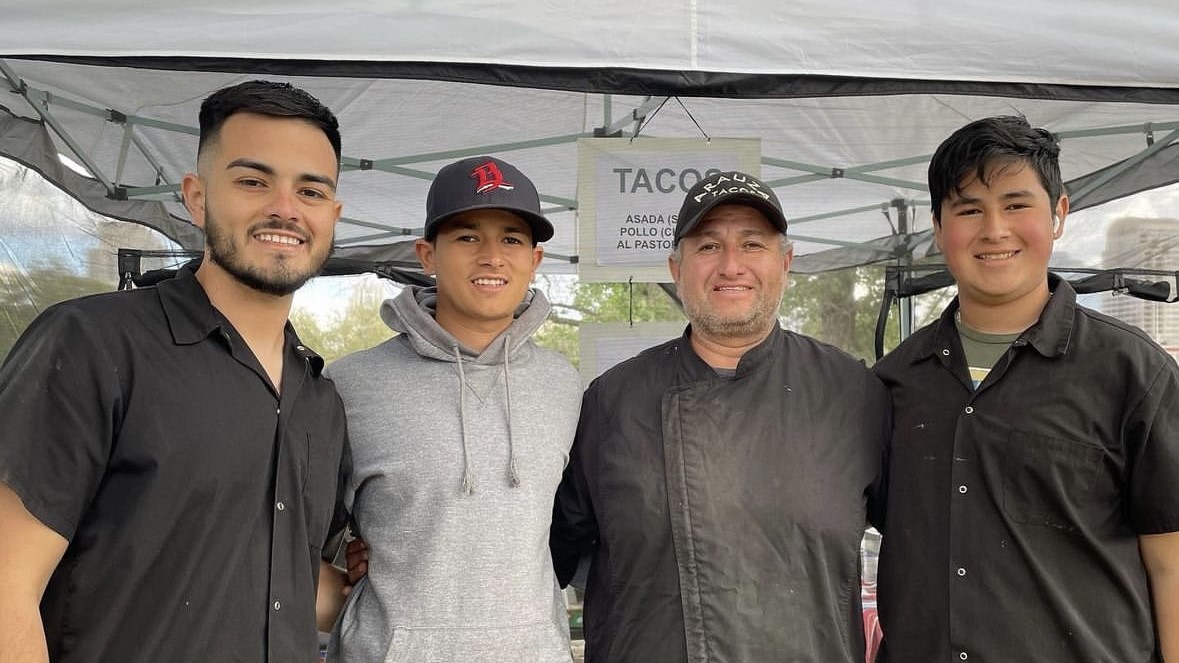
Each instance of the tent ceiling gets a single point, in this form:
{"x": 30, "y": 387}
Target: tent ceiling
{"x": 1029, "y": 42}
{"x": 847, "y": 98}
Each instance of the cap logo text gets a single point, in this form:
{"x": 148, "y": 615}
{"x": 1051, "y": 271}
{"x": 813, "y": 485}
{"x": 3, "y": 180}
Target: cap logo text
{"x": 489, "y": 178}
{"x": 736, "y": 183}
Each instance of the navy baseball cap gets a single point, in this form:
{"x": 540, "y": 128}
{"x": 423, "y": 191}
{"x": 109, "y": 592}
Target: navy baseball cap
{"x": 484, "y": 183}
{"x": 728, "y": 188}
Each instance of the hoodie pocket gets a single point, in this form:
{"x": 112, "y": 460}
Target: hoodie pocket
{"x": 530, "y": 643}
{"x": 343, "y": 644}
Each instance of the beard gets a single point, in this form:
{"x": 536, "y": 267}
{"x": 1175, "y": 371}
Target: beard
{"x": 279, "y": 276}
{"x": 762, "y": 314}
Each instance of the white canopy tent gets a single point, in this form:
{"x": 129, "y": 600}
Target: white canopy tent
{"x": 848, "y": 98}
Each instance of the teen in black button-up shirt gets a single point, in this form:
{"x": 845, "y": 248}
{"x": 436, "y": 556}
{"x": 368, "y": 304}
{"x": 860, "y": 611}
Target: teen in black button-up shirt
{"x": 1032, "y": 511}
{"x": 1014, "y": 511}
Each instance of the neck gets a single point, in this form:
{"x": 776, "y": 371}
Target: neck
{"x": 472, "y": 334}
{"x": 1007, "y": 317}
{"x": 723, "y": 352}
{"x": 259, "y": 317}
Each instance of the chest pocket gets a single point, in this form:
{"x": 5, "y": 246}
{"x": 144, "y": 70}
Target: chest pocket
{"x": 1048, "y": 481}
{"x": 316, "y": 454}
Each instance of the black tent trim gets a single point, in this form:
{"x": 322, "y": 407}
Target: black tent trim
{"x": 634, "y": 81}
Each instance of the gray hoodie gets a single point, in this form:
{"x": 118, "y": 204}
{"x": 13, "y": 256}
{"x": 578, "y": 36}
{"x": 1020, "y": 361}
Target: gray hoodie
{"x": 456, "y": 457}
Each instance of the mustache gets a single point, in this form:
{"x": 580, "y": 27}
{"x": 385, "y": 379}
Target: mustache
{"x": 279, "y": 224}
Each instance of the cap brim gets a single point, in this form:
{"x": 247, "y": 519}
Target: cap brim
{"x": 542, "y": 228}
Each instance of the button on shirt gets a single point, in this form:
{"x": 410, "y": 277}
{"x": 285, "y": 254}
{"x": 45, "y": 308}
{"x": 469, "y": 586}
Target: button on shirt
{"x": 1014, "y": 510}
{"x": 140, "y": 427}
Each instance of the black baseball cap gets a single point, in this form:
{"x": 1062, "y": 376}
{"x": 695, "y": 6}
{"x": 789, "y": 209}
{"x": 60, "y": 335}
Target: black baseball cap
{"x": 484, "y": 183}
{"x": 727, "y": 188}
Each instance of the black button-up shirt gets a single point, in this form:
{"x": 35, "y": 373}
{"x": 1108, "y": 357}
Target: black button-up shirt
{"x": 1014, "y": 511}
{"x": 195, "y": 499}
{"x": 724, "y": 513}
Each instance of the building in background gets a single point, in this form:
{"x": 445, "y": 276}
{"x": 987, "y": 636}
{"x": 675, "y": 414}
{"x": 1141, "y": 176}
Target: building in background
{"x": 1145, "y": 243}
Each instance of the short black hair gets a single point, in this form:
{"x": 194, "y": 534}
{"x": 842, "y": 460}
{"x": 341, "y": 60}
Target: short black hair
{"x": 974, "y": 151}
{"x": 265, "y": 98}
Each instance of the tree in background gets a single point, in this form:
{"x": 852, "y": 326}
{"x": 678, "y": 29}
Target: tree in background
{"x": 358, "y": 326}
{"x": 625, "y": 302}
{"x": 560, "y": 334}
{"x": 826, "y": 307}
{"x": 25, "y": 294}
{"x": 837, "y": 307}
{"x": 841, "y": 308}
{"x": 575, "y": 302}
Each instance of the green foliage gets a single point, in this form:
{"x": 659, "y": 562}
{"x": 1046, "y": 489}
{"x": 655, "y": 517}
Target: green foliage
{"x": 839, "y": 308}
{"x": 842, "y": 307}
{"x": 836, "y": 307}
{"x": 357, "y": 327}
{"x": 562, "y": 336}
{"x": 600, "y": 302}
{"x": 625, "y": 302}
{"x": 24, "y": 295}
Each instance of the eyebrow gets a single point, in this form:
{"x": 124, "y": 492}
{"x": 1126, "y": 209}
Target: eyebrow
{"x": 268, "y": 170}
{"x": 1010, "y": 195}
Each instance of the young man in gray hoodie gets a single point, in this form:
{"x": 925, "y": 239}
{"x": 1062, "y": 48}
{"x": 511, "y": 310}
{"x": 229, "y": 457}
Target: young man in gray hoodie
{"x": 460, "y": 429}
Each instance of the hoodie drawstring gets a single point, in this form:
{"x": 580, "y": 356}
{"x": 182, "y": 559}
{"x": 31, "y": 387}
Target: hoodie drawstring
{"x": 468, "y": 474}
{"x": 513, "y": 473}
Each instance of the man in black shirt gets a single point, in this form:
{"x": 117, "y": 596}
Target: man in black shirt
{"x": 169, "y": 467}
{"x": 722, "y": 481}
{"x": 1032, "y": 513}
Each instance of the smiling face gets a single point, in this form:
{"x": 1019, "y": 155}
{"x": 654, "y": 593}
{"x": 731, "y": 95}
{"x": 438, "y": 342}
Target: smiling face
{"x": 265, "y": 196}
{"x": 483, "y": 261}
{"x": 731, "y": 273}
{"x": 997, "y": 239}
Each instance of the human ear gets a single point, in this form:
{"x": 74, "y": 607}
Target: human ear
{"x": 425, "y": 252}
{"x": 1058, "y": 217}
{"x": 193, "y": 191}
